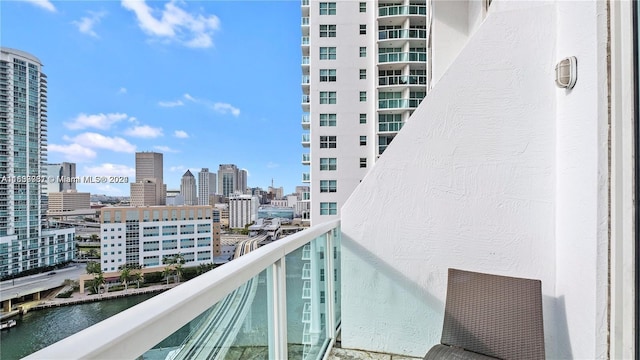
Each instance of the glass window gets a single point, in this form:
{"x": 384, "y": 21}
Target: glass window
{"x": 327, "y": 8}
{"x": 328, "y": 119}
{"x": 328, "y": 208}
{"x": 363, "y": 96}
{"x": 363, "y": 29}
{"x": 363, "y": 74}
{"x": 327, "y": 75}
{"x": 328, "y": 164}
{"x": 327, "y": 30}
{"x": 363, "y": 51}
{"x": 328, "y": 97}
{"x": 363, "y": 7}
{"x": 363, "y": 140}
{"x": 328, "y": 186}
{"x": 327, "y": 53}
{"x": 363, "y": 118}
{"x": 328, "y": 142}
{"x": 363, "y": 162}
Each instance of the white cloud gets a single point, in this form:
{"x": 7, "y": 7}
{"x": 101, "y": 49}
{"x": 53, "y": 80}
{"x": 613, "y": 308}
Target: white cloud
{"x": 113, "y": 190}
{"x": 85, "y": 24}
{"x": 165, "y": 149}
{"x": 225, "y": 108}
{"x": 174, "y": 23}
{"x": 98, "y": 141}
{"x": 177, "y": 168}
{"x": 180, "y": 134}
{"x": 45, "y": 4}
{"x": 108, "y": 169}
{"x": 99, "y": 121}
{"x": 144, "y": 131}
{"x": 220, "y": 107}
{"x": 170, "y": 103}
{"x": 123, "y": 90}
{"x": 73, "y": 152}
{"x": 272, "y": 165}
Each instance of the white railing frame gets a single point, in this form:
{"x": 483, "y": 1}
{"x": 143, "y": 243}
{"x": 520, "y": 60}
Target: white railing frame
{"x": 131, "y": 333}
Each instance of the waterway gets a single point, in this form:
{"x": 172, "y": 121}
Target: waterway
{"x": 40, "y": 328}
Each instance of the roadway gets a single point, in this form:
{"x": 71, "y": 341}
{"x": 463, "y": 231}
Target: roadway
{"x": 16, "y": 288}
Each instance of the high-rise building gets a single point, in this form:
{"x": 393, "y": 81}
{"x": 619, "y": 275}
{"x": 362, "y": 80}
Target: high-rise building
{"x": 26, "y": 242}
{"x": 149, "y": 189}
{"x": 206, "y": 186}
{"x": 242, "y": 181}
{"x": 227, "y": 179}
{"x": 57, "y": 173}
{"x": 188, "y": 189}
{"x": 364, "y": 72}
{"x": 243, "y": 210}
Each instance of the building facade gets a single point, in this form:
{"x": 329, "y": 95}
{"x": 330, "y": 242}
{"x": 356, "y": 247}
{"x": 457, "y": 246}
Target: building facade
{"x": 227, "y": 179}
{"x": 188, "y": 189}
{"x": 58, "y": 172}
{"x": 243, "y": 210}
{"x": 25, "y": 241}
{"x": 60, "y": 202}
{"x": 364, "y": 72}
{"x": 206, "y": 186}
{"x": 149, "y": 170}
{"x": 146, "y": 235}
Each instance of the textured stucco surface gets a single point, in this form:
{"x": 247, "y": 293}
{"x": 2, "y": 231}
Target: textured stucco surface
{"x": 490, "y": 175}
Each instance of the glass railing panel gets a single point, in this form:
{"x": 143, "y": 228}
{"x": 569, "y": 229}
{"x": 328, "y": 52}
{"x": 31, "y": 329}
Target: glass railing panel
{"x": 337, "y": 274}
{"x": 305, "y": 60}
{"x": 306, "y": 301}
{"x": 234, "y": 327}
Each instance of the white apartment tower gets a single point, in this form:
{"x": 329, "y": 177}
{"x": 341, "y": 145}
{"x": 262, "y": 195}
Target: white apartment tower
{"x": 25, "y": 240}
{"x": 364, "y": 72}
{"x": 188, "y": 189}
{"x": 206, "y": 186}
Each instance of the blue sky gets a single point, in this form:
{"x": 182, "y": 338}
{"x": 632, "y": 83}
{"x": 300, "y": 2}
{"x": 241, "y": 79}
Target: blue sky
{"x": 204, "y": 82}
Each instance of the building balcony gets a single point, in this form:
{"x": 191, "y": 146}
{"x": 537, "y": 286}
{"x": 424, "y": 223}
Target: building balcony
{"x": 402, "y": 10}
{"x": 304, "y": 21}
{"x": 306, "y": 80}
{"x": 306, "y": 159}
{"x": 305, "y": 3}
{"x": 305, "y": 103}
{"x": 306, "y": 177}
{"x": 402, "y": 34}
{"x": 306, "y": 140}
{"x": 398, "y": 103}
{"x": 305, "y": 41}
{"x": 402, "y": 57}
{"x": 306, "y": 122}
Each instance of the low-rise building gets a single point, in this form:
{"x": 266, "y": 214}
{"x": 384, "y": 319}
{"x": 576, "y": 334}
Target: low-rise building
{"x": 146, "y": 235}
{"x": 69, "y": 200}
{"x": 243, "y": 210}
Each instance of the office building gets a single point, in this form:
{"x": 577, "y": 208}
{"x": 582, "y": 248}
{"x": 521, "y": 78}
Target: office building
{"x": 57, "y": 174}
{"x": 145, "y": 235}
{"x": 228, "y": 179}
{"x": 243, "y": 210}
{"x": 60, "y": 202}
{"x": 188, "y": 189}
{"x": 206, "y": 186}
{"x": 364, "y": 72}
{"x": 149, "y": 188}
{"x": 242, "y": 181}
{"x": 26, "y": 242}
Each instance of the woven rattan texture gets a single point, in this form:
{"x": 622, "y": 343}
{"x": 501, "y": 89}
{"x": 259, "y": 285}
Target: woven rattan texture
{"x": 494, "y": 315}
{"x": 443, "y": 352}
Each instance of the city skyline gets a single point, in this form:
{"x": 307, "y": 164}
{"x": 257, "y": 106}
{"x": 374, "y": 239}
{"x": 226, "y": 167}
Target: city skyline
{"x": 124, "y": 79}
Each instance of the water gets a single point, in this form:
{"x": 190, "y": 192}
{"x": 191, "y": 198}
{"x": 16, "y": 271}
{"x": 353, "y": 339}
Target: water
{"x": 41, "y": 328}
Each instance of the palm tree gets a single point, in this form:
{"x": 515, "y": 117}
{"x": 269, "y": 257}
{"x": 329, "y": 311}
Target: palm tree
{"x": 125, "y": 273}
{"x": 138, "y": 277}
{"x": 98, "y": 280}
{"x": 167, "y": 272}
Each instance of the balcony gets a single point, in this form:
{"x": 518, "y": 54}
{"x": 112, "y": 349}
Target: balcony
{"x": 305, "y": 103}
{"x": 306, "y": 178}
{"x": 402, "y": 34}
{"x": 420, "y": 80}
{"x": 306, "y": 159}
{"x": 305, "y": 41}
{"x": 402, "y": 10}
{"x": 402, "y": 57}
{"x": 399, "y": 103}
{"x": 305, "y": 80}
{"x": 306, "y": 140}
{"x": 305, "y": 121}
{"x": 305, "y": 61}
{"x": 304, "y": 21}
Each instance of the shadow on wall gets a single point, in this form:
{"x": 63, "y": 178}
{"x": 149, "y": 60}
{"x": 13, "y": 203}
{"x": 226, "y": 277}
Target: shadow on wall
{"x": 559, "y": 326}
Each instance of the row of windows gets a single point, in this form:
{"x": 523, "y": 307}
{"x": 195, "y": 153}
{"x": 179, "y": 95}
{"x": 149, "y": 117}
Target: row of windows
{"x": 329, "y": 75}
{"x": 331, "y": 164}
{"x": 331, "y": 30}
{"x": 331, "y": 142}
{"x": 329, "y": 8}
{"x": 330, "y": 52}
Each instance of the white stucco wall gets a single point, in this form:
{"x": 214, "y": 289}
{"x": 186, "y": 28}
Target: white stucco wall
{"x": 498, "y": 171}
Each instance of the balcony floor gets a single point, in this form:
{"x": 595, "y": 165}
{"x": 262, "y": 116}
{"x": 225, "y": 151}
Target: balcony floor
{"x": 349, "y": 354}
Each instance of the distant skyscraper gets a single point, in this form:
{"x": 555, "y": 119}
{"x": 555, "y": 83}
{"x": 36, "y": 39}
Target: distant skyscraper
{"x": 206, "y": 186}
{"x": 149, "y": 180}
{"x": 57, "y": 171}
{"x": 188, "y": 189}
{"x": 242, "y": 180}
{"x": 227, "y": 179}
{"x": 23, "y": 129}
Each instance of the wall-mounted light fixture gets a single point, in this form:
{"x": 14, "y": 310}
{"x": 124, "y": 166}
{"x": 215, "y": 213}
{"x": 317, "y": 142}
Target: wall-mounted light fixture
{"x": 567, "y": 72}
